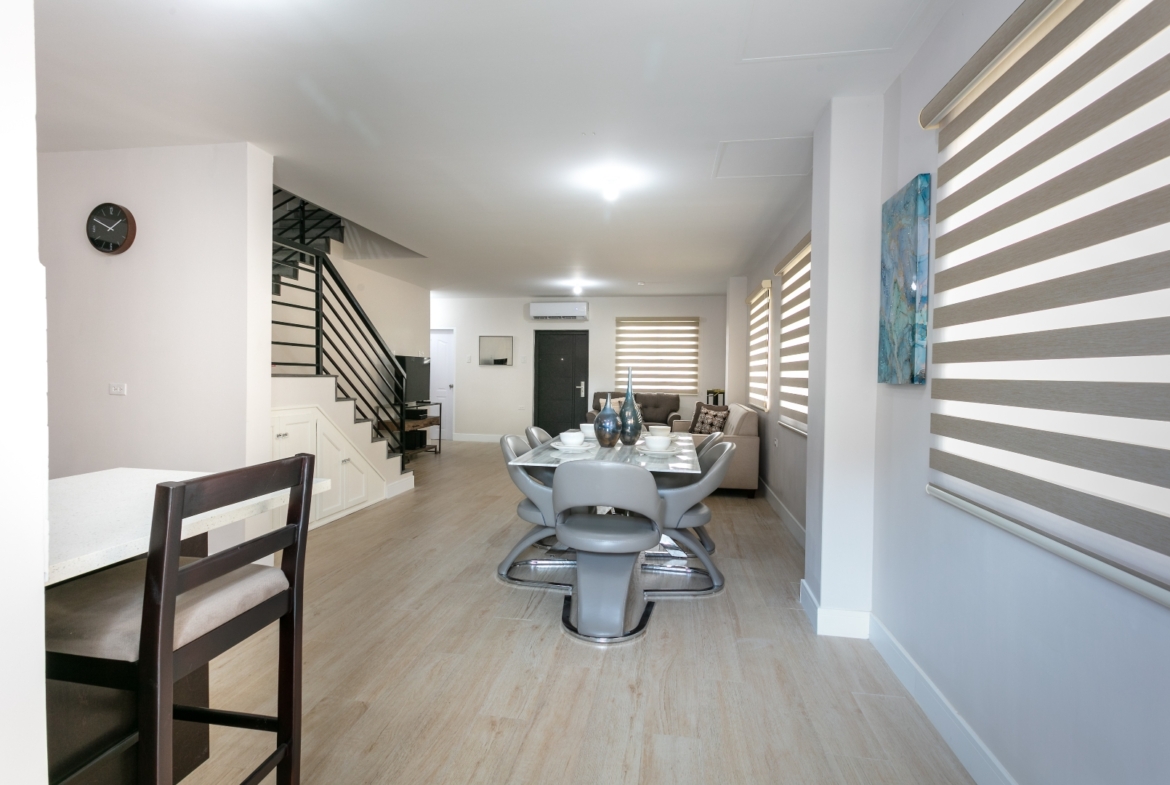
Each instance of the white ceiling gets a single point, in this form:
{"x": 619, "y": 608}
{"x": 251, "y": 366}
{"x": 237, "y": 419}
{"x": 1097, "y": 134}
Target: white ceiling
{"x": 456, "y": 128}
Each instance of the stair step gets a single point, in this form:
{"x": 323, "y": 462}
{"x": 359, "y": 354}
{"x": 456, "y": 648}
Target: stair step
{"x": 308, "y": 375}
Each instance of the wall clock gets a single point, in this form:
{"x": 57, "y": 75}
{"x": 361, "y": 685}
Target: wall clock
{"x": 110, "y": 228}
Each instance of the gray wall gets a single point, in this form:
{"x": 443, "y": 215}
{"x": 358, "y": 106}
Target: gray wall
{"x": 782, "y": 450}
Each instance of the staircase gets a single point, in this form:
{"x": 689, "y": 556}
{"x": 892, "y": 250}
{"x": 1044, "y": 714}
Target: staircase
{"x": 320, "y": 330}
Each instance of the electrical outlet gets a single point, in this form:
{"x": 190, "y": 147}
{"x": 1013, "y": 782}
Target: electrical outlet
{"x": 775, "y": 443}
{"x": 118, "y": 389}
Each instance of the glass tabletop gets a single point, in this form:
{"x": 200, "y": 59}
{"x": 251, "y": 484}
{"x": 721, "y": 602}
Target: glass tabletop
{"x": 681, "y": 460}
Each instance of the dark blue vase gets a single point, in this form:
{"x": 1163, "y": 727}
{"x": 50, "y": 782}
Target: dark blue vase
{"x": 607, "y": 426}
{"x": 631, "y": 419}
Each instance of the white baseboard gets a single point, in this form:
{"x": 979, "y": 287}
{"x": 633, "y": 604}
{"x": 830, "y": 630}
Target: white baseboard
{"x": 787, "y": 518}
{"x": 477, "y": 437}
{"x": 402, "y": 484}
{"x": 832, "y": 621}
{"x": 979, "y": 761}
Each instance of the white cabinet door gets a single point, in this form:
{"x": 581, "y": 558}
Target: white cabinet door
{"x": 330, "y": 452}
{"x": 355, "y": 480}
{"x": 293, "y": 434}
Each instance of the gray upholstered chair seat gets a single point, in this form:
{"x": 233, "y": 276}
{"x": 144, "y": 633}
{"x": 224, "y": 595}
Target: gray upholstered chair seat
{"x": 100, "y": 615}
{"x": 608, "y": 533}
{"x": 530, "y": 512}
{"x": 699, "y": 515}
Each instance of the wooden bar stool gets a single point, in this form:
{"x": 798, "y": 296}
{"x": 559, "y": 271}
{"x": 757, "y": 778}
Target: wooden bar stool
{"x": 143, "y": 625}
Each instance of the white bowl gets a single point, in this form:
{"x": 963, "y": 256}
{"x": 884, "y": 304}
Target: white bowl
{"x": 659, "y": 430}
{"x": 658, "y": 443}
{"x": 572, "y": 438}
{"x": 587, "y": 429}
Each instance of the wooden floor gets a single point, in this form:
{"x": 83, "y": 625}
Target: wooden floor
{"x": 421, "y": 667}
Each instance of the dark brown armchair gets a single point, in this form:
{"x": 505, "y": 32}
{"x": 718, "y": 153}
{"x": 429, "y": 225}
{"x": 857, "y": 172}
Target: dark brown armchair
{"x": 657, "y": 408}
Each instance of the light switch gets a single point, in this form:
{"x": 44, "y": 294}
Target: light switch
{"x": 118, "y": 389}
{"x": 469, "y": 358}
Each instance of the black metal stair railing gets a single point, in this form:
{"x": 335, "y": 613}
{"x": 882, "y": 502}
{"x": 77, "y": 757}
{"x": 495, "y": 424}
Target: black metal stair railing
{"x": 320, "y": 329}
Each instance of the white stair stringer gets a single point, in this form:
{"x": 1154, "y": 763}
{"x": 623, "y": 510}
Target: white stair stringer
{"x": 290, "y": 392}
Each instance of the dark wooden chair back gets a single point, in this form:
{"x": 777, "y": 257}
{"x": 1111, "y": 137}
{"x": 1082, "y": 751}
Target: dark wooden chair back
{"x": 159, "y": 663}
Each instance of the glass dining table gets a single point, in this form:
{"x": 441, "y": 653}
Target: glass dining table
{"x": 664, "y": 571}
{"x": 679, "y": 459}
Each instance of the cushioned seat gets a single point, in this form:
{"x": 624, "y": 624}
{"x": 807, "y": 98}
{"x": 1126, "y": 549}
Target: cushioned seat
{"x": 101, "y": 616}
{"x": 699, "y": 515}
{"x": 530, "y": 512}
{"x": 608, "y": 533}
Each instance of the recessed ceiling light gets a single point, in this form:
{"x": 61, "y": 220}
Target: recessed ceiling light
{"x": 611, "y": 180}
{"x": 577, "y": 290}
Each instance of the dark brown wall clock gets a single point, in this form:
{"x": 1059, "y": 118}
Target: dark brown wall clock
{"x": 110, "y": 228}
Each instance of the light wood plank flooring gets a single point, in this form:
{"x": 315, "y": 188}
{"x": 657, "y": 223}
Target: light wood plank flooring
{"x": 421, "y": 667}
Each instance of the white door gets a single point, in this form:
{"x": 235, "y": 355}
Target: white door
{"x": 443, "y": 377}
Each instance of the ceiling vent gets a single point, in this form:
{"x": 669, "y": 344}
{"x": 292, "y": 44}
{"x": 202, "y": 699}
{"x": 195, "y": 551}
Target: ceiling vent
{"x": 570, "y": 312}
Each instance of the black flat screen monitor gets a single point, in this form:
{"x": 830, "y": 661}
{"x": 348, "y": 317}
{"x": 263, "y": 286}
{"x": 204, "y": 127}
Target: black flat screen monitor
{"x": 418, "y": 378}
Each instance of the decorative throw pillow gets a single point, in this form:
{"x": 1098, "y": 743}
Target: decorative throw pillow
{"x": 708, "y": 418}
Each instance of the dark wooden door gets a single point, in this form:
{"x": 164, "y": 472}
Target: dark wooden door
{"x": 562, "y": 379}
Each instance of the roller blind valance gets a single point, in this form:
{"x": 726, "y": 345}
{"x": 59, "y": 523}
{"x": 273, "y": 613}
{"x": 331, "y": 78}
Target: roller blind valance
{"x": 1051, "y": 329}
{"x": 663, "y": 351}
{"x": 795, "y": 307}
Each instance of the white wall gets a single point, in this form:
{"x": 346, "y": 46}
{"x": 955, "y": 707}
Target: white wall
{"x": 494, "y": 400}
{"x": 182, "y": 317}
{"x": 1061, "y": 673}
{"x": 839, "y": 485}
{"x": 400, "y": 311}
{"x": 24, "y": 466}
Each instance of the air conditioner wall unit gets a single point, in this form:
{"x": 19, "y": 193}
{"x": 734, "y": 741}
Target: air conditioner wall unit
{"x": 572, "y": 312}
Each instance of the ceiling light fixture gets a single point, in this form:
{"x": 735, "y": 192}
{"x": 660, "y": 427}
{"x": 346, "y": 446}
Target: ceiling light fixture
{"x": 611, "y": 180}
{"x": 577, "y": 290}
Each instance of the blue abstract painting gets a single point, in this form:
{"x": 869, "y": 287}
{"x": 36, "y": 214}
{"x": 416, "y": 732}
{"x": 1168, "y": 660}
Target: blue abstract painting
{"x": 905, "y": 279}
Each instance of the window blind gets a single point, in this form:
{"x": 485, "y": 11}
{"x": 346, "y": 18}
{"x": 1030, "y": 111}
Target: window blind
{"x": 760, "y": 346}
{"x": 795, "y": 304}
{"x": 663, "y": 352}
{"x": 1051, "y": 332}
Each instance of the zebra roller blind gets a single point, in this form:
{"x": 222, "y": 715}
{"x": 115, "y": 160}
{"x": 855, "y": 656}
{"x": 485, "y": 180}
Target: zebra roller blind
{"x": 760, "y": 345}
{"x": 663, "y": 351}
{"x": 795, "y": 303}
{"x": 1051, "y": 332}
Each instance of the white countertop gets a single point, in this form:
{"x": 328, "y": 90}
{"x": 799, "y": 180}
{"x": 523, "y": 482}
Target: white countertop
{"x": 102, "y": 518}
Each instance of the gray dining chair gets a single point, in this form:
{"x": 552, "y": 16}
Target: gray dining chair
{"x": 537, "y": 506}
{"x": 685, "y": 508}
{"x": 710, "y": 441}
{"x": 536, "y": 436}
{"x": 605, "y": 607}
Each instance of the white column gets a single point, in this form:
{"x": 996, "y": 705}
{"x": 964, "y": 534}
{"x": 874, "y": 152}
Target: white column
{"x": 837, "y": 590}
{"x": 736, "y": 376}
{"x": 24, "y": 465}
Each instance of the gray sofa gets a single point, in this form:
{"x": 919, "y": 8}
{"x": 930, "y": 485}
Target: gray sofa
{"x": 657, "y": 408}
{"x": 743, "y": 430}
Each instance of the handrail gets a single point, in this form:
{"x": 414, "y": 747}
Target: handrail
{"x": 349, "y": 297}
{"x": 346, "y": 343}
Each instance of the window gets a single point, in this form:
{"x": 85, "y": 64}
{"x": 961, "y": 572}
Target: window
{"x": 1051, "y": 328}
{"x": 760, "y": 345}
{"x": 795, "y": 305}
{"x": 663, "y": 351}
